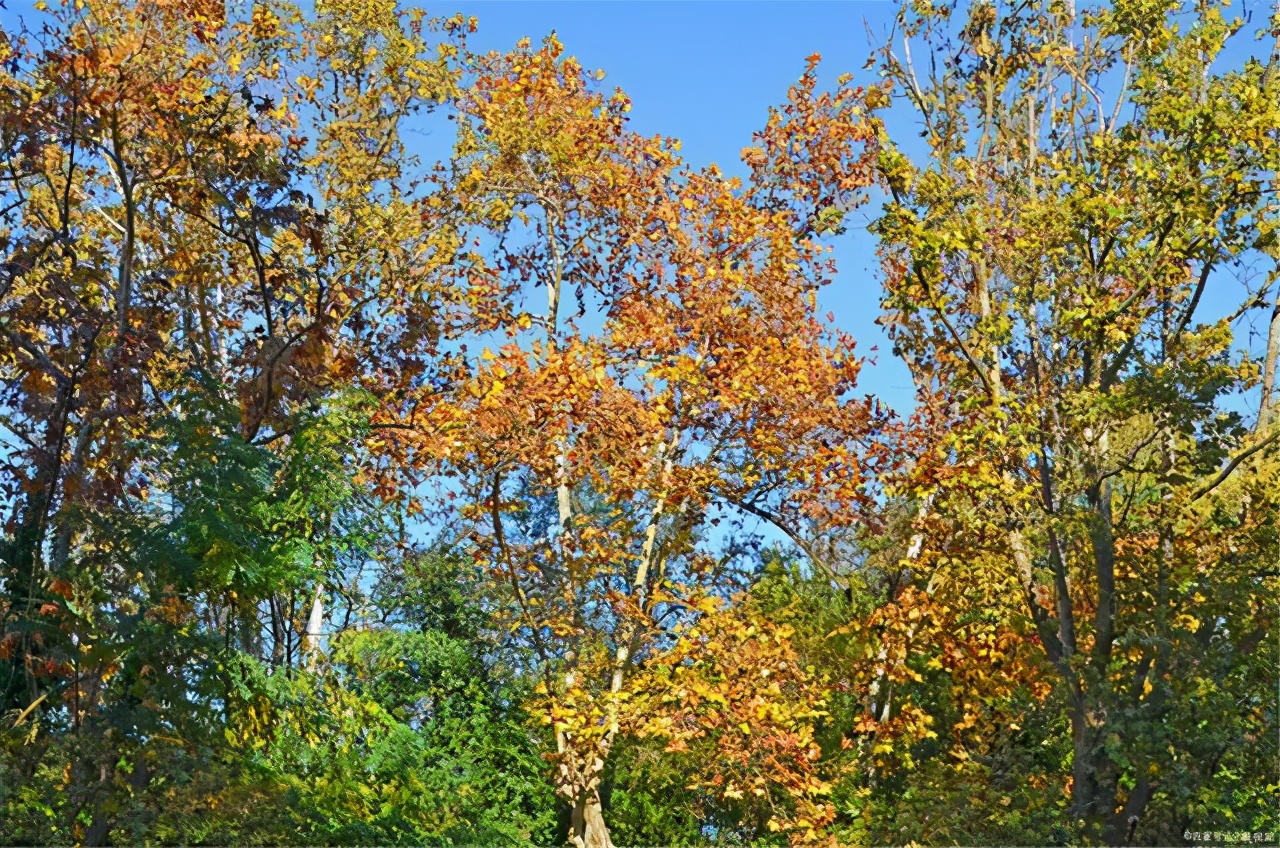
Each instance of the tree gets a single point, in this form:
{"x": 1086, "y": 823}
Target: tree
{"x": 409, "y": 732}
{"x": 592, "y": 468}
{"x": 1077, "y": 448}
{"x": 197, "y": 213}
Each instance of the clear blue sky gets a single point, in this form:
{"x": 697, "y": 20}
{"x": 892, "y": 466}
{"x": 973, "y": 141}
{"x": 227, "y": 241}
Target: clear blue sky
{"x": 704, "y": 72}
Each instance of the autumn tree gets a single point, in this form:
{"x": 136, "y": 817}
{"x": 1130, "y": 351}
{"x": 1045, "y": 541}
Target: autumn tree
{"x": 594, "y": 454}
{"x": 197, "y": 214}
{"x": 1063, "y": 276}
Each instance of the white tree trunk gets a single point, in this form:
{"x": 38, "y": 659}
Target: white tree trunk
{"x": 315, "y": 627}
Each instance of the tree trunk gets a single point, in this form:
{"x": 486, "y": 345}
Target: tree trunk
{"x": 315, "y": 627}
{"x": 1096, "y": 790}
{"x": 22, "y": 555}
{"x": 1095, "y": 783}
{"x": 588, "y": 829}
{"x": 1084, "y": 768}
{"x": 1266, "y": 409}
{"x": 1123, "y": 824}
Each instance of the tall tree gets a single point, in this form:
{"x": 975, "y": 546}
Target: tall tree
{"x": 197, "y": 214}
{"x": 1046, "y": 274}
{"x": 595, "y": 454}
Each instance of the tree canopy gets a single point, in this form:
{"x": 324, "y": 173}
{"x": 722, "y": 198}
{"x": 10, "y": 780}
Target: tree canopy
{"x": 528, "y": 497}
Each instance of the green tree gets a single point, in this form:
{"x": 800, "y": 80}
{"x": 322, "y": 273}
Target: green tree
{"x": 410, "y": 731}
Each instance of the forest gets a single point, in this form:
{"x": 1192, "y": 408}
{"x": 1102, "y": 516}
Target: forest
{"x": 528, "y": 495}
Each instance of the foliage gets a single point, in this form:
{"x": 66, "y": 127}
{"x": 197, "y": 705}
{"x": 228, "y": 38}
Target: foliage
{"x": 711, "y": 384}
{"x": 1077, "y": 445}
{"x": 323, "y": 526}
